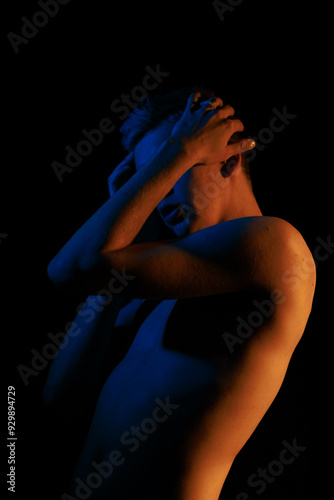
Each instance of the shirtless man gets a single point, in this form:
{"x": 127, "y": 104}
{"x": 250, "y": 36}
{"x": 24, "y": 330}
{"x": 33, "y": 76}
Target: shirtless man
{"x": 182, "y": 400}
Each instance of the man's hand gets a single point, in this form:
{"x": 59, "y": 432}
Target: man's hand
{"x": 205, "y": 132}
{"x": 118, "y": 222}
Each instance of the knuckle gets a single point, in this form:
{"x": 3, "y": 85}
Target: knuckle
{"x": 229, "y": 109}
{"x": 229, "y": 122}
{"x": 238, "y": 125}
{"x": 226, "y": 112}
{"x": 221, "y": 113}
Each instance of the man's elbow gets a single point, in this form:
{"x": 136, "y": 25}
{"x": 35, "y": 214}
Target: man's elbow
{"x": 55, "y": 271}
{"x": 77, "y": 278}
{"x": 62, "y": 274}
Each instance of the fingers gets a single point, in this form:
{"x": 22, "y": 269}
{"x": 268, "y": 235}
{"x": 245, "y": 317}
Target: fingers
{"x": 219, "y": 102}
{"x": 212, "y": 103}
{"x": 225, "y": 112}
{"x": 214, "y": 107}
{"x": 208, "y": 108}
{"x": 240, "y": 146}
{"x": 197, "y": 96}
{"x": 193, "y": 98}
{"x": 236, "y": 125}
{"x": 220, "y": 113}
{"x": 237, "y": 146}
{"x": 204, "y": 106}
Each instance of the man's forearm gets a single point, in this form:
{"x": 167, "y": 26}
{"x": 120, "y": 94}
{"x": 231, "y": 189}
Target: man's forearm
{"x": 119, "y": 220}
{"x": 137, "y": 199}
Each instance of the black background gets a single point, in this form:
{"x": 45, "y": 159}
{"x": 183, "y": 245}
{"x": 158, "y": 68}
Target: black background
{"x": 263, "y": 55}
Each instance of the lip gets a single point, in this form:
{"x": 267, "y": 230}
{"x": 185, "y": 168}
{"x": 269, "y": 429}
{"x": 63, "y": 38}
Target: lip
{"x": 173, "y": 214}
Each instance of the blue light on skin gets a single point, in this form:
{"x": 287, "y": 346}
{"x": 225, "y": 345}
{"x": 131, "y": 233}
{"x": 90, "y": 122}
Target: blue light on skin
{"x": 185, "y": 192}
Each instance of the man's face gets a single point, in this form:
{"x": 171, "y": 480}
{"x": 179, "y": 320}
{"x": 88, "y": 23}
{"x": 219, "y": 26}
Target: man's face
{"x": 195, "y": 202}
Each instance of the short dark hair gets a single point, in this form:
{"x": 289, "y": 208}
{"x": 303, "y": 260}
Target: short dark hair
{"x": 152, "y": 111}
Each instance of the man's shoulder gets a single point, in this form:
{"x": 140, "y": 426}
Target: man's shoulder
{"x": 270, "y": 231}
{"x": 277, "y": 261}
{"x": 264, "y": 223}
{"x": 269, "y": 247}
{"x": 254, "y": 242}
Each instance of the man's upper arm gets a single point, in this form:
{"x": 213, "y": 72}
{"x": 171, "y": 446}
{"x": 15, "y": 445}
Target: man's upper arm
{"x": 251, "y": 253}
{"x": 242, "y": 254}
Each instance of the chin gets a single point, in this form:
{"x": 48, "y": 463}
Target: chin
{"x": 189, "y": 226}
{"x": 181, "y": 230}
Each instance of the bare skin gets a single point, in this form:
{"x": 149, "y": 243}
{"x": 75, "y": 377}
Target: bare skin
{"x": 224, "y": 256}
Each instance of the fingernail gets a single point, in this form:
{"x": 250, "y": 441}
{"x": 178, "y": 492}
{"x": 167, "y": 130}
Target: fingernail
{"x": 251, "y": 144}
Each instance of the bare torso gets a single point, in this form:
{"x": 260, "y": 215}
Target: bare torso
{"x": 150, "y": 420}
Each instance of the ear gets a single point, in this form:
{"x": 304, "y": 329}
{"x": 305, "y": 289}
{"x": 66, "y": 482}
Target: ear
{"x": 231, "y": 165}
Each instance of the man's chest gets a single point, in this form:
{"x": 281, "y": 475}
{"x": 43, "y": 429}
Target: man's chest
{"x": 199, "y": 327}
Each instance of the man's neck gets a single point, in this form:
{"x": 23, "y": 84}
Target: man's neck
{"x": 242, "y": 202}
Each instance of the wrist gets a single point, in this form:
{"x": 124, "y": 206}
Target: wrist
{"x": 181, "y": 148}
